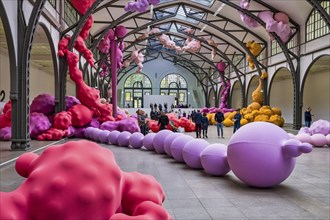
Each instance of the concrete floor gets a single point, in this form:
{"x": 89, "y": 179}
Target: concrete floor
{"x": 192, "y": 194}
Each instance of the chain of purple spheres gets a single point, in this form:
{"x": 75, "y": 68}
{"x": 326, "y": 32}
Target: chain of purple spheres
{"x": 250, "y": 157}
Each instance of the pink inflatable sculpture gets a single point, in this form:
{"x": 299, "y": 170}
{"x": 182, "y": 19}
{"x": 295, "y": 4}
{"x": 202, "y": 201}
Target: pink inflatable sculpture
{"x": 5, "y": 117}
{"x": 59, "y": 185}
{"x": 39, "y": 123}
{"x": 250, "y": 22}
{"x": 317, "y": 135}
{"x": 43, "y": 103}
{"x": 262, "y": 154}
{"x": 226, "y": 87}
{"x": 138, "y": 59}
{"x": 5, "y": 134}
{"x": 281, "y": 26}
{"x": 140, "y": 5}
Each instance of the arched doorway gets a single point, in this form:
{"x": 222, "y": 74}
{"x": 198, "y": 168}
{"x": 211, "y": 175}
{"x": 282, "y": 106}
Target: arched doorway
{"x": 281, "y": 93}
{"x": 135, "y": 87}
{"x": 42, "y": 73}
{"x": 236, "y": 96}
{"x": 315, "y": 88}
{"x": 253, "y": 84}
{"x": 175, "y": 85}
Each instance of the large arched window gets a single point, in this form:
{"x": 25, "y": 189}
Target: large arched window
{"x": 316, "y": 26}
{"x": 176, "y": 85}
{"x": 135, "y": 87}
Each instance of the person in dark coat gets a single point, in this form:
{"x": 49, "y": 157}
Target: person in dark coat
{"x": 205, "y": 125}
{"x": 163, "y": 121}
{"x": 308, "y": 117}
{"x": 219, "y": 117}
{"x": 237, "y": 120}
{"x": 198, "y": 123}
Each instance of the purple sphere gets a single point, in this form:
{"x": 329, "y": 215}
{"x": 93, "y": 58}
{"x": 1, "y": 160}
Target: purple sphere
{"x": 88, "y": 132}
{"x": 70, "y": 101}
{"x": 113, "y": 137}
{"x": 95, "y": 134}
{"x": 148, "y": 141}
{"x": 136, "y": 140}
{"x": 214, "y": 160}
{"x": 5, "y": 134}
{"x": 39, "y": 123}
{"x": 103, "y": 136}
{"x": 43, "y": 103}
{"x": 177, "y": 146}
{"x": 191, "y": 152}
{"x": 168, "y": 141}
{"x": 123, "y": 139}
{"x": 258, "y": 156}
{"x": 79, "y": 132}
{"x": 159, "y": 140}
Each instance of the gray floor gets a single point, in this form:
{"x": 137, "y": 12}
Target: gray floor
{"x": 192, "y": 194}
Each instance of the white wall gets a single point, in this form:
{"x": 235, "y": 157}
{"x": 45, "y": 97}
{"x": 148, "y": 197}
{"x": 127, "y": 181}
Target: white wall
{"x": 159, "y": 99}
{"x": 317, "y": 95}
{"x": 281, "y": 95}
{"x": 156, "y": 70}
{"x": 236, "y": 97}
{"x": 4, "y": 75}
{"x": 40, "y": 82}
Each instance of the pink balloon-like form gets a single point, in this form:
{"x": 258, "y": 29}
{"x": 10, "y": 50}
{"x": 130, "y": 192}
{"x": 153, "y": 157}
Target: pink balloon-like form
{"x": 250, "y": 22}
{"x": 283, "y": 30}
{"x": 138, "y": 58}
{"x": 80, "y": 180}
{"x": 140, "y": 5}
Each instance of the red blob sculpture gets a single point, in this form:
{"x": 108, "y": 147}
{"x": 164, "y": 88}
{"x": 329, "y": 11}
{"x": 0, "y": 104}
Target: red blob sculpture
{"x": 80, "y": 180}
{"x": 81, "y": 115}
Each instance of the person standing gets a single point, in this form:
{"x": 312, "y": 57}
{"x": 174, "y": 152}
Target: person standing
{"x": 219, "y": 117}
{"x": 205, "y": 125}
{"x": 198, "y": 123}
{"x": 163, "y": 121}
{"x": 142, "y": 121}
{"x": 237, "y": 120}
{"x": 308, "y": 117}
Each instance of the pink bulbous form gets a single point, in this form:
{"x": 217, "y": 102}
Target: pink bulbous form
{"x": 303, "y": 137}
{"x": 318, "y": 140}
{"x": 103, "y": 136}
{"x": 320, "y": 127}
{"x": 5, "y": 134}
{"x": 80, "y": 180}
{"x": 260, "y": 148}
{"x": 214, "y": 160}
{"x": 39, "y": 123}
{"x": 120, "y": 31}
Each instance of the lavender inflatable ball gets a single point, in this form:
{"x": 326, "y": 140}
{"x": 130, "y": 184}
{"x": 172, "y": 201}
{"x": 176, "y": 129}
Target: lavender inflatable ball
{"x": 214, "y": 160}
{"x": 136, "y": 140}
{"x": 113, "y": 137}
{"x": 148, "y": 141}
{"x": 123, "y": 139}
{"x": 103, "y": 136}
{"x": 177, "y": 146}
{"x": 191, "y": 152}
{"x": 159, "y": 140}
{"x": 262, "y": 154}
{"x": 168, "y": 141}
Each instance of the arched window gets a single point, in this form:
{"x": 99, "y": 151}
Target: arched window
{"x": 135, "y": 87}
{"x": 176, "y": 85}
{"x": 315, "y": 25}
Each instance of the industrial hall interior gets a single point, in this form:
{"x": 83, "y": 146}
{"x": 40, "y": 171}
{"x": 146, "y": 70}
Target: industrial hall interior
{"x": 164, "y": 109}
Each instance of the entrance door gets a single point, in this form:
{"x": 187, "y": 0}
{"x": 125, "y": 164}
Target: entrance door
{"x": 137, "y": 102}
